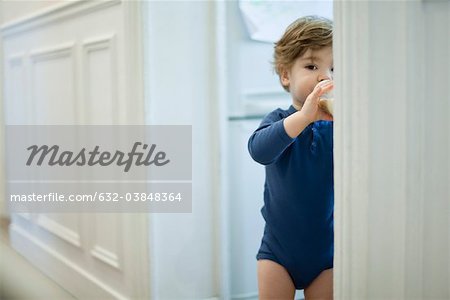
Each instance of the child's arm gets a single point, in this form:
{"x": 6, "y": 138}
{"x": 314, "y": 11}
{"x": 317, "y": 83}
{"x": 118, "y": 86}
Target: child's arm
{"x": 275, "y": 134}
{"x": 270, "y": 140}
{"x": 310, "y": 112}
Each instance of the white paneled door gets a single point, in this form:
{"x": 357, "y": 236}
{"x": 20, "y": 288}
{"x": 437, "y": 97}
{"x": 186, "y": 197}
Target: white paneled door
{"x": 391, "y": 146}
{"x": 77, "y": 63}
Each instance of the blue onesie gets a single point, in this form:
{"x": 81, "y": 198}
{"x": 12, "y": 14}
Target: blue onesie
{"x": 298, "y": 195}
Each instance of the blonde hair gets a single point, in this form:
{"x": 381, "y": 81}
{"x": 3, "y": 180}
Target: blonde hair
{"x": 309, "y": 32}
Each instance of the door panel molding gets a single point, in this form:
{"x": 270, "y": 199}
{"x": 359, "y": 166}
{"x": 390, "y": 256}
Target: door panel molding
{"x": 55, "y": 13}
{"x": 65, "y": 38}
{"x": 77, "y": 281}
{"x": 59, "y": 230}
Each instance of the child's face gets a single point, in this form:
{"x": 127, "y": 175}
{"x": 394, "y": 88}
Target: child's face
{"x": 308, "y": 70}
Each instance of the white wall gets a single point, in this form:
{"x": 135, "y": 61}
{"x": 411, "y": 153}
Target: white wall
{"x": 392, "y": 135}
{"x": 180, "y": 89}
{"x": 10, "y": 10}
{"x": 180, "y": 84}
{"x": 105, "y": 254}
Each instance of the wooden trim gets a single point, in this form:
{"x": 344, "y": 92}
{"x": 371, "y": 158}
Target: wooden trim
{"x": 221, "y": 171}
{"x": 64, "y": 233}
{"x": 109, "y": 43}
{"x": 54, "y": 13}
{"x": 134, "y": 114}
{"x": 23, "y": 242}
{"x": 351, "y": 149}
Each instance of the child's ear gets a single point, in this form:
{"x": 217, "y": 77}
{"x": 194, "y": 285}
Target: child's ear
{"x": 284, "y": 78}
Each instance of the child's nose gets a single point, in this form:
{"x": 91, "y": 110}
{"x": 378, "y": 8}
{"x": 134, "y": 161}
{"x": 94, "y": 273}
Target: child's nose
{"x": 325, "y": 76}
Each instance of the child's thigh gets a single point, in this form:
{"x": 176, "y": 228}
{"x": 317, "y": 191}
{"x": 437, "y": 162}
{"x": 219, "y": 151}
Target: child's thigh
{"x": 274, "y": 281}
{"x": 321, "y": 287}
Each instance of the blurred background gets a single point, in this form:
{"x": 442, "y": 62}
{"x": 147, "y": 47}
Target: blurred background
{"x": 200, "y": 63}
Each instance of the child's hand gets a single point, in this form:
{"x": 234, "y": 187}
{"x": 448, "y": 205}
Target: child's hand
{"x": 310, "y": 108}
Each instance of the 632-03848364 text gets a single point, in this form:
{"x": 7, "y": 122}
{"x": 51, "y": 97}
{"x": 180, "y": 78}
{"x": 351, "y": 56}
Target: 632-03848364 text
{"x": 102, "y": 197}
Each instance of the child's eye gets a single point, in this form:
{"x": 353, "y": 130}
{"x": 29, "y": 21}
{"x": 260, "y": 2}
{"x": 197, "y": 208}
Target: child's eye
{"x": 311, "y": 67}
{"x": 332, "y": 69}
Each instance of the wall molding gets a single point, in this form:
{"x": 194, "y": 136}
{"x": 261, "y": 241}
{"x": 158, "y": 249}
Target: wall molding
{"x": 14, "y": 63}
{"x": 54, "y": 13}
{"x": 61, "y": 231}
{"x": 88, "y": 46}
{"x": 106, "y": 257}
{"x": 48, "y": 53}
{"x": 54, "y": 51}
{"x": 23, "y": 241}
{"x": 112, "y": 255}
{"x": 58, "y": 33}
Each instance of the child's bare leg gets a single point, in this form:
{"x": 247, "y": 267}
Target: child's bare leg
{"x": 274, "y": 281}
{"x": 321, "y": 288}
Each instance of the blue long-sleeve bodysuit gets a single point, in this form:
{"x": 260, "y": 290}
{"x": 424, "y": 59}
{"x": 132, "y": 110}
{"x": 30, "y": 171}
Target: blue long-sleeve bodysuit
{"x": 298, "y": 195}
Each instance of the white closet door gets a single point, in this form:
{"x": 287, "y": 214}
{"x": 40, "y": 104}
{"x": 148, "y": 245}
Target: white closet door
{"x": 392, "y": 135}
{"x": 77, "y": 63}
